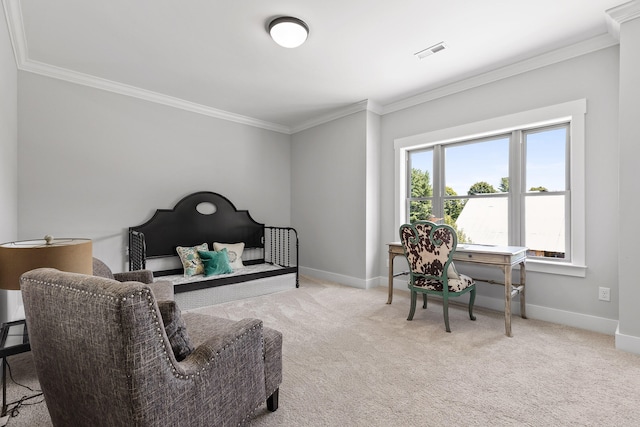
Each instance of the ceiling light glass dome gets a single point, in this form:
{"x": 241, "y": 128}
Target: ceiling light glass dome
{"x": 288, "y": 31}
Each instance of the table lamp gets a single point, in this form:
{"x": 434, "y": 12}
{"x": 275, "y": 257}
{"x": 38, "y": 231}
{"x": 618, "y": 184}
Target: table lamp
{"x": 68, "y": 254}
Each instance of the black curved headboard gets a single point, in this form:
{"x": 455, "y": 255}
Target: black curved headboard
{"x": 185, "y": 226}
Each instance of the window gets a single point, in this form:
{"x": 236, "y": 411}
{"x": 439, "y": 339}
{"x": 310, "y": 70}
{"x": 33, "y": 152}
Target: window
{"x": 520, "y": 184}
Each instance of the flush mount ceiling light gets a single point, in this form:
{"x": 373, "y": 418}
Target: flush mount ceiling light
{"x": 288, "y": 31}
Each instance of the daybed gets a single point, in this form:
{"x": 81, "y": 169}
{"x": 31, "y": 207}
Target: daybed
{"x": 269, "y": 259}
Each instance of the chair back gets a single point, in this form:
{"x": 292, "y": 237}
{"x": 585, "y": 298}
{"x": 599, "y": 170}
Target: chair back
{"x": 98, "y": 347}
{"x": 101, "y": 269}
{"x": 429, "y": 248}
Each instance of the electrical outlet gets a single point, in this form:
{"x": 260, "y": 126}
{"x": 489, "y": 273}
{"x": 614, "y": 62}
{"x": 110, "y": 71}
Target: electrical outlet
{"x": 604, "y": 294}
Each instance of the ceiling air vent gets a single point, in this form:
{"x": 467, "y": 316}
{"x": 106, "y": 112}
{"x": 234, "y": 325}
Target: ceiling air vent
{"x": 431, "y": 50}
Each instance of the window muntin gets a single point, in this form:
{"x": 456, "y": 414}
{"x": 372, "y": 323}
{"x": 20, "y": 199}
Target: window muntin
{"x": 475, "y": 195}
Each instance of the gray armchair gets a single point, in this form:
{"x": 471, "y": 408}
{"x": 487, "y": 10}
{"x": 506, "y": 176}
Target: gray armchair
{"x": 106, "y": 354}
{"x": 163, "y": 290}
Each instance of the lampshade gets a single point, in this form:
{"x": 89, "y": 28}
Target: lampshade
{"x": 288, "y": 31}
{"x": 16, "y": 258}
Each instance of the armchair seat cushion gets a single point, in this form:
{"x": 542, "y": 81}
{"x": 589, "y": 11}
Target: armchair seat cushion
{"x": 162, "y": 290}
{"x": 455, "y": 285}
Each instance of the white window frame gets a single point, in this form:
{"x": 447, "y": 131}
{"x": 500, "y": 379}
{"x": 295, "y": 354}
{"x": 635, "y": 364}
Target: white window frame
{"x": 573, "y": 112}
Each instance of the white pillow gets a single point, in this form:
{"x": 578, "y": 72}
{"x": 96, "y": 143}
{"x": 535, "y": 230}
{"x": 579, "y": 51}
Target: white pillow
{"x": 234, "y": 250}
{"x": 452, "y": 273}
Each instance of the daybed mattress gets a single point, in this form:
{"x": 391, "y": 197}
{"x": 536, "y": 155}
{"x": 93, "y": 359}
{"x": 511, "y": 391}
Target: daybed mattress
{"x": 219, "y": 294}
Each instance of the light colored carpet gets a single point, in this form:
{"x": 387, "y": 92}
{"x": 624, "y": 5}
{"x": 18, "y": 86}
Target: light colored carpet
{"x": 352, "y": 360}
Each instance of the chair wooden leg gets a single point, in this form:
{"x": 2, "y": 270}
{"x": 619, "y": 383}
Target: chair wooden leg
{"x": 472, "y": 298}
{"x": 412, "y": 311}
{"x": 445, "y": 309}
{"x": 424, "y": 300}
{"x": 272, "y": 401}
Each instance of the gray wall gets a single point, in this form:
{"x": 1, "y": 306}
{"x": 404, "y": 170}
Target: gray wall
{"x": 92, "y": 163}
{"x": 329, "y": 198}
{"x": 8, "y": 137}
{"x": 372, "y": 213}
{"x": 565, "y": 299}
{"x": 334, "y": 182}
{"x": 629, "y": 329}
{"x": 8, "y": 152}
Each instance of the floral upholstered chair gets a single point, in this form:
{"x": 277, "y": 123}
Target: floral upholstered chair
{"x": 429, "y": 249}
{"x": 108, "y": 353}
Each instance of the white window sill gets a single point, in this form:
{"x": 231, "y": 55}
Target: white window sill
{"x": 554, "y": 267}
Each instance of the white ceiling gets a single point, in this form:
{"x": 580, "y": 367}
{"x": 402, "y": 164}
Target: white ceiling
{"x": 216, "y": 57}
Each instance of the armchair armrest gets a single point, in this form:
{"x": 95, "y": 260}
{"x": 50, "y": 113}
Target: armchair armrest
{"x": 142, "y": 276}
{"x": 246, "y": 334}
{"x": 228, "y": 364}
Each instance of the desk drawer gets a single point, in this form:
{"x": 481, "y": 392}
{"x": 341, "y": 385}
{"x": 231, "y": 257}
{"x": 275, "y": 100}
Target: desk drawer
{"x": 483, "y": 258}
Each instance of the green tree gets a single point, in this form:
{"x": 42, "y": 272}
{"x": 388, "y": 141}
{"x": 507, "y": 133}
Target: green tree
{"x": 481, "y": 187}
{"x": 543, "y": 189}
{"x": 504, "y": 185}
{"x": 452, "y": 208}
{"x": 420, "y": 187}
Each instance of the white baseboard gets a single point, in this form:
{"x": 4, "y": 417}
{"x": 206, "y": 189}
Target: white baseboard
{"x": 627, "y": 343}
{"x": 561, "y": 317}
{"x": 339, "y": 278}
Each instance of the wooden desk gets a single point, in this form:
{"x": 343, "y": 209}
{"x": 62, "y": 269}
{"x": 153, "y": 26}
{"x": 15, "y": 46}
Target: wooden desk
{"x": 504, "y": 257}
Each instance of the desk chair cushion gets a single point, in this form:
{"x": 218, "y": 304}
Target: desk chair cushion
{"x": 455, "y": 285}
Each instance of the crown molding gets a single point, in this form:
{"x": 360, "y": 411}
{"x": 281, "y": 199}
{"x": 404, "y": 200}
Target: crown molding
{"x": 558, "y": 55}
{"x": 13, "y": 13}
{"x": 147, "y": 95}
{"x": 364, "y": 105}
{"x": 619, "y": 15}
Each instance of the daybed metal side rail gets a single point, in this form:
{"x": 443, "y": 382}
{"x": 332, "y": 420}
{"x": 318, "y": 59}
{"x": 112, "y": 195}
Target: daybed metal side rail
{"x": 281, "y": 248}
{"x": 137, "y": 251}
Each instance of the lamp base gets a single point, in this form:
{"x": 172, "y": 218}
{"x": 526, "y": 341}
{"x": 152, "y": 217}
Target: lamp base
{"x": 19, "y": 314}
{"x": 11, "y": 306}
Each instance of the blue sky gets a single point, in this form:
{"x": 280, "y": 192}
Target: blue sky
{"x": 489, "y": 161}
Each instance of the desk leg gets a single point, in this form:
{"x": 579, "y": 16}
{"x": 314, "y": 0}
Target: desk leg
{"x": 507, "y": 300}
{"x": 523, "y": 273}
{"x": 391, "y": 257}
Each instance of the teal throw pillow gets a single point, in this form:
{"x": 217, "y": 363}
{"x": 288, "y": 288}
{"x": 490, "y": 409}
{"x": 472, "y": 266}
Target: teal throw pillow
{"x": 215, "y": 262}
